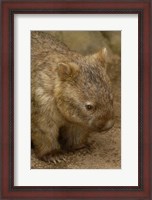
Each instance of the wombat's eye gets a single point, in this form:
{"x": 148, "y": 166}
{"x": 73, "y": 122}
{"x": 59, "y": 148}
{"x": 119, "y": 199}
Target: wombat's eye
{"x": 89, "y": 107}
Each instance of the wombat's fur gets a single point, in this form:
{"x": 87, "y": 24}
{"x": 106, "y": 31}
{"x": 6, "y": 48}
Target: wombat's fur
{"x": 71, "y": 96}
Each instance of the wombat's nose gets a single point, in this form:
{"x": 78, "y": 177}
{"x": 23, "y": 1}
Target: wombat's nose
{"x": 109, "y": 124}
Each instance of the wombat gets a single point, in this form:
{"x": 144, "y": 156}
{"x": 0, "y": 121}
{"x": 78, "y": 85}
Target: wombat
{"x": 71, "y": 96}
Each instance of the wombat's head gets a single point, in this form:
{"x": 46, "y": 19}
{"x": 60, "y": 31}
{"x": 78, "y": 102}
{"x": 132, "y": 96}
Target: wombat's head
{"x": 83, "y": 92}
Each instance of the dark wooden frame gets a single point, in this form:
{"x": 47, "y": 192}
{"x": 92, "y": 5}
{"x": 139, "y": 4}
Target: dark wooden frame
{"x": 144, "y": 10}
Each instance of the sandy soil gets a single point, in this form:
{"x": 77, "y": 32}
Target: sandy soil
{"x": 105, "y": 149}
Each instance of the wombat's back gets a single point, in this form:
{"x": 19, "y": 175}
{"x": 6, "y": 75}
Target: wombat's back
{"x": 45, "y": 42}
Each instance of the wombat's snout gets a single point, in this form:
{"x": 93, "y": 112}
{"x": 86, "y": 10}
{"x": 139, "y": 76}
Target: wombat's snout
{"x": 103, "y": 127}
{"x": 108, "y": 125}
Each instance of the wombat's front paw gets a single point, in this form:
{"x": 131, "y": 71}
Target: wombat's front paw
{"x": 87, "y": 148}
{"x": 54, "y": 158}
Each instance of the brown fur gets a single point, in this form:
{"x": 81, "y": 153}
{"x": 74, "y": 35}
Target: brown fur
{"x": 64, "y": 85}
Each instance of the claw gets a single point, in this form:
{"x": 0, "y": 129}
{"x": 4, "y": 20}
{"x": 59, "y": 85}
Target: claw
{"x": 58, "y": 160}
{"x": 54, "y": 159}
{"x": 64, "y": 159}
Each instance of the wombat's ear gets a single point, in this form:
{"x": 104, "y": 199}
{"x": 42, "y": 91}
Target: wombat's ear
{"x": 67, "y": 70}
{"x": 101, "y": 55}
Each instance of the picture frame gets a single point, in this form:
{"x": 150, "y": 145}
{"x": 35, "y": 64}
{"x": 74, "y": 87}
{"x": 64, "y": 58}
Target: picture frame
{"x": 141, "y": 7}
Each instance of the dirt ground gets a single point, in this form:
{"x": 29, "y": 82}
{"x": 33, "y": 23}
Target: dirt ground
{"x": 105, "y": 150}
